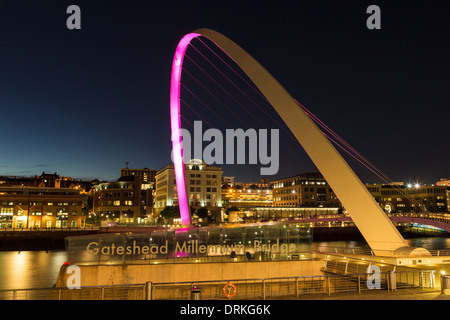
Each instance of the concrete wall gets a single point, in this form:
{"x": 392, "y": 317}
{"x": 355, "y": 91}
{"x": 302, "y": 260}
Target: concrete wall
{"x": 158, "y": 273}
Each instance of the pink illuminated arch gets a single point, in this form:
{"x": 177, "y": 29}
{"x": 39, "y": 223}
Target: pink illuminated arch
{"x": 175, "y": 124}
{"x": 370, "y": 219}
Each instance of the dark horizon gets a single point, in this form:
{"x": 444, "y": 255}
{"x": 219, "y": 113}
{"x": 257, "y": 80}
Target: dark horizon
{"x": 83, "y": 102}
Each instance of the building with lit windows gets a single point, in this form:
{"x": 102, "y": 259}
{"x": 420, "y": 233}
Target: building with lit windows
{"x": 45, "y": 180}
{"x": 122, "y": 201}
{"x": 410, "y": 198}
{"x": 145, "y": 175}
{"x": 247, "y": 195}
{"x": 443, "y": 182}
{"x": 40, "y": 207}
{"x": 203, "y": 186}
{"x": 304, "y": 190}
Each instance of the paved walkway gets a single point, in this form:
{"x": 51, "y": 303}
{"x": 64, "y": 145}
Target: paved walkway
{"x": 401, "y": 294}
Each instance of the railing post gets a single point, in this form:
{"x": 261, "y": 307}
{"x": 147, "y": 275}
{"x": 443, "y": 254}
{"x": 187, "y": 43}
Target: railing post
{"x": 392, "y": 281}
{"x": 346, "y": 266}
{"x": 359, "y": 284}
{"x": 296, "y": 287}
{"x": 387, "y": 282}
{"x": 329, "y": 285}
{"x": 264, "y": 289}
{"x": 432, "y": 279}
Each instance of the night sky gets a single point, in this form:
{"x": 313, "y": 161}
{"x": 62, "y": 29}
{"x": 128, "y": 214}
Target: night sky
{"x": 83, "y": 102}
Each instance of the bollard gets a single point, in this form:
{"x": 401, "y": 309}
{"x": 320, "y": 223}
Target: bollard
{"x": 392, "y": 280}
{"x": 196, "y": 293}
{"x": 148, "y": 290}
{"x": 445, "y": 284}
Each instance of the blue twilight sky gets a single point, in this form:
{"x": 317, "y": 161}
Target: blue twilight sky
{"x": 83, "y": 102}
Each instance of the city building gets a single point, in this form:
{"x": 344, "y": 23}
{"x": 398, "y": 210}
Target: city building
{"x": 41, "y": 207}
{"x": 122, "y": 201}
{"x": 145, "y": 175}
{"x": 247, "y": 195}
{"x": 443, "y": 182}
{"x": 45, "y": 180}
{"x": 203, "y": 186}
{"x": 410, "y": 198}
{"x": 304, "y": 190}
{"x": 228, "y": 181}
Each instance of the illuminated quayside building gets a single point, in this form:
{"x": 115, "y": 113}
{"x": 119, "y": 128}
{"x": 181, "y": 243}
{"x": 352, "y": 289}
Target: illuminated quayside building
{"x": 45, "y": 201}
{"x": 34, "y": 207}
{"x": 127, "y": 200}
{"x": 203, "y": 186}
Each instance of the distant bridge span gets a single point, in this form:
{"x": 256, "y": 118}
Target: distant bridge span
{"x": 443, "y": 224}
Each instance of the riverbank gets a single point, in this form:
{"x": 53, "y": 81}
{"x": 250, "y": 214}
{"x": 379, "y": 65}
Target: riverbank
{"x": 38, "y": 240}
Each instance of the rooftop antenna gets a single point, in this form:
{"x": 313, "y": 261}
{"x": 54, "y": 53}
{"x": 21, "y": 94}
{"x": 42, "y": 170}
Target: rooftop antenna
{"x": 126, "y": 162}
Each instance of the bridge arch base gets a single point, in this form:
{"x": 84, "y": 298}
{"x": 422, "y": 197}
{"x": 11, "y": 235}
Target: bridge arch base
{"x": 411, "y": 252}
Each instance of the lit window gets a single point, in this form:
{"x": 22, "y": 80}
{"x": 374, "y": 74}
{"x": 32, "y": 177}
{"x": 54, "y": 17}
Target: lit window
{"x": 7, "y": 211}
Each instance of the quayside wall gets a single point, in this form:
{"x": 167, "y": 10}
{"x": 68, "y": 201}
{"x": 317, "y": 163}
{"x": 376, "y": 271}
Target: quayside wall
{"x": 102, "y": 275}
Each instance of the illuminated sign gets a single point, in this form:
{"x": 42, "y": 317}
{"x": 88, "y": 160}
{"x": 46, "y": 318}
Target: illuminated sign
{"x": 187, "y": 247}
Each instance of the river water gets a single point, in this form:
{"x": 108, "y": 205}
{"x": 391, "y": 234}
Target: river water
{"x": 39, "y": 269}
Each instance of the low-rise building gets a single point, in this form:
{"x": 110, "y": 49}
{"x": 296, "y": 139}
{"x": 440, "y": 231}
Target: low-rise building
{"x": 41, "y": 207}
{"x": 408, "y": 198}
{"x": 304, "y": 190}
{"x": 443, "y": 182}
{"x": 247, "y": 195}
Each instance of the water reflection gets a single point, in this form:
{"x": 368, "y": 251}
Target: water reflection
{"x": 430, "y": 243}
{"x": 30, "y": 269}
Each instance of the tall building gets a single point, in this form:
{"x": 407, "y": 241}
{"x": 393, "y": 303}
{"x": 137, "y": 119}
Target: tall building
{"x": 203, "y": 186}
{"x": 145, "y": 175}
{"x": 122, "y": 201}
{"x": 304, "y": 190}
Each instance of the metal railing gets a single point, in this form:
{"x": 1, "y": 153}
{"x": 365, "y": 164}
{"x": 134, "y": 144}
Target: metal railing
{"x": 370, "y": 252}
{"x": 51, "y": 229}
{"x": 235, "y": 289}
{"x": 295, "y": 286}
{"x": 112, "y": 292}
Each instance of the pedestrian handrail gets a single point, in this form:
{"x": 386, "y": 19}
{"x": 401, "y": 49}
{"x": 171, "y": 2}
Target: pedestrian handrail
{"x": 257, "y": 288}
{"x": 50, "y": 229}
{"x": 380, "y": 252}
